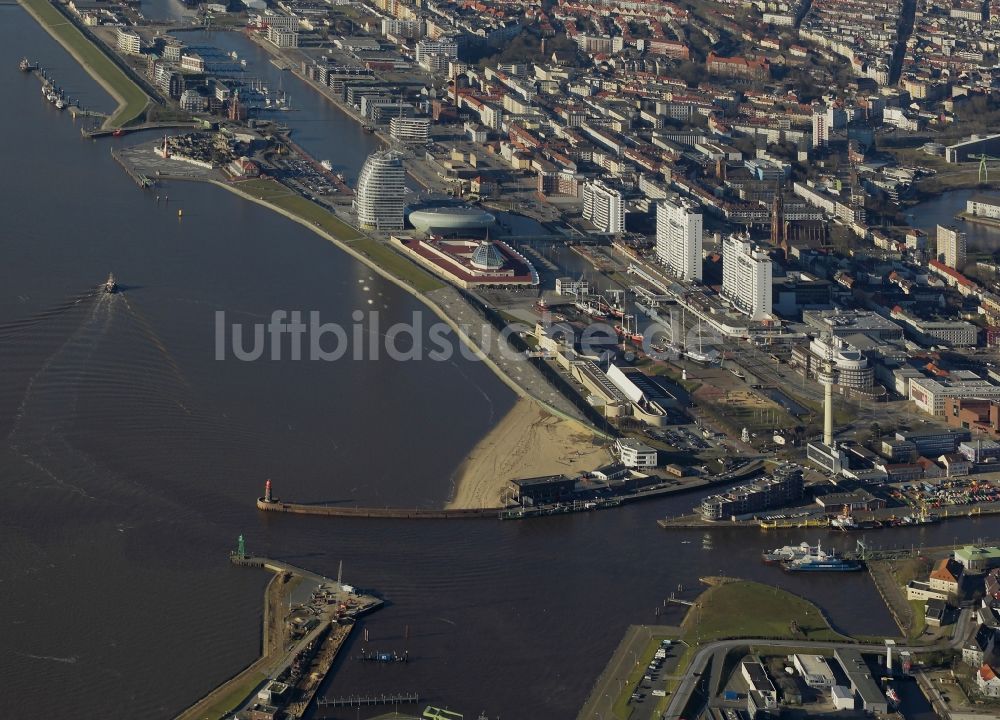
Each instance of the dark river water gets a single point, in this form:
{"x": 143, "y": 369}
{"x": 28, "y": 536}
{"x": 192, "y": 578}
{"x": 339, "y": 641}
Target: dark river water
{"x": 131, "y": 458}
{"x": 941, "y": 211}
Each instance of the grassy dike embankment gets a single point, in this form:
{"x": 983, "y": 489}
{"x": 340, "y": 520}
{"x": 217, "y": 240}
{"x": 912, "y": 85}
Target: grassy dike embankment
{"x": 380, "y": 258}
{"x": 132, "y": 100}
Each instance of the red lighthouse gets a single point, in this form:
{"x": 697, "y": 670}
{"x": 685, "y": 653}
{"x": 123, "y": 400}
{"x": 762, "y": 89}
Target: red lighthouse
{"x": 267, "y": 491}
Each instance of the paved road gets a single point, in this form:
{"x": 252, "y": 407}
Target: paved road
{"x": 514, "y": 365}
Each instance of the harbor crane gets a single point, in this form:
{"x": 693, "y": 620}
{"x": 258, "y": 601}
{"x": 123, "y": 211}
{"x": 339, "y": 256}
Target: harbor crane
{"x": 984, "y": 173}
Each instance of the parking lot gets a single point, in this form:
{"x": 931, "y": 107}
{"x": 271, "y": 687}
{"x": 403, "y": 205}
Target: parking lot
{"x": 304, "y": 177}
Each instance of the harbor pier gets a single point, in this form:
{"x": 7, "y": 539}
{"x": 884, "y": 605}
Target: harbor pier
{"x": 143, "y": 181}
{"x": 359, "y": 700}
{"x": 307, "y": 620}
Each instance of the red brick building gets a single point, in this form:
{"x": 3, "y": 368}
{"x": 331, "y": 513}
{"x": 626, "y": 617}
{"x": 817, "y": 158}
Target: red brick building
{"x": 973, "y": 414}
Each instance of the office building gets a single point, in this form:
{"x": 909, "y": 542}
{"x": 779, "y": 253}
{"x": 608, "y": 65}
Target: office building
{"x": 635, "y": 454}
{"x": 746, "y": 277}
{"x": 678, "y": 238}
{"x": 379, "y": 200}
{"x": 929, "y": 394}
{"x": 850, "y": 367}
{"x": 953, "y": 333}
{"x": 844, "y": 323}
{"x": 415, "y": 130}
{"x": 951, "y": 246}
{"x": 604, "y": 206}
{"x": 934, "y": 443}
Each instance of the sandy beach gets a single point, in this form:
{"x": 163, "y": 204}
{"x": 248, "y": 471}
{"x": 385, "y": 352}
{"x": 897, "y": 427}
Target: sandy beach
{"x": 528, "y": 442}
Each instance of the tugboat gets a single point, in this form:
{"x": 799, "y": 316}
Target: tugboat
{"x": 110, "y": 286}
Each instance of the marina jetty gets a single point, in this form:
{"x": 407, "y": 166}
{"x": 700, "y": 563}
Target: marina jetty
{"x": 110, "y": 71}
{"x": 307, "y": 620}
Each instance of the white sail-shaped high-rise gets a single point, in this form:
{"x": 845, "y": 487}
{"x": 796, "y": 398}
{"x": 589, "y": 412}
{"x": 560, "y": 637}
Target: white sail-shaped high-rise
{"x": 379, "y": 201}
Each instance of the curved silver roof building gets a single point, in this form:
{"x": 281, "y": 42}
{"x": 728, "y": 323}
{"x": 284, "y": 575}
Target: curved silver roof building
{"x": 451, "y": 218}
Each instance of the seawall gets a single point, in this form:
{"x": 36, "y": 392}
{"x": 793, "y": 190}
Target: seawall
{"x": 370, "y": 512}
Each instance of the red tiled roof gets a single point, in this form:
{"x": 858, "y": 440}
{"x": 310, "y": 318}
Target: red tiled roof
{"x": 951, "y": 272}
{"x": 942, "y": 571}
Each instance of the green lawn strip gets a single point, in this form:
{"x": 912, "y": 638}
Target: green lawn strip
{"x": 397, "y": 265}
{"x": 239, "y": 692}
{"x": 263, "y": 188}
{"x": 134, "y": 99}
{"x": 382, "y": 255}
{"x": 919, "y": 619}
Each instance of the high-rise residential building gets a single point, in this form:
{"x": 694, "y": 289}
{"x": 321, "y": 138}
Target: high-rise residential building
{"x": 379, "y": 199}
{"x": 446, "y": 46}
{"x": 604, "y": 206}
{"x": 678, "y": 237}
{"x": 821, "y": 133}
{"x": 825, "y": 119}
{"x": 951, "y": 246}
{"x": 128, "y": 41}
{"x": 746, "y": 277}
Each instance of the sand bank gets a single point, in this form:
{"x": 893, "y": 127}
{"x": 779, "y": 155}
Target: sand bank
{"x": 528, "y": 442}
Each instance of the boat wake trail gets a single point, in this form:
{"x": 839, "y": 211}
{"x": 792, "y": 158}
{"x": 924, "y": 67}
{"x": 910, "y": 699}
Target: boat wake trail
{"x": 101, "y": 410}
{"x": 51, "y": 396}
{"x": 155, "y": 340}
{"x": 67, "y": 660}
{"x": 10, "y": 330}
